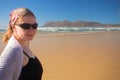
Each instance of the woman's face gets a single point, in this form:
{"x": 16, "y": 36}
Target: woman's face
{"x": 25, "y": 34}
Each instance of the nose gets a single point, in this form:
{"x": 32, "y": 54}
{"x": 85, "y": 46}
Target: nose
{"x": 31, "y": 28}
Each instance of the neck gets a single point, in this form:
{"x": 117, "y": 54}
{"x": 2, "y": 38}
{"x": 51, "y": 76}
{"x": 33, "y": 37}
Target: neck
{"x": 23, "y": 43}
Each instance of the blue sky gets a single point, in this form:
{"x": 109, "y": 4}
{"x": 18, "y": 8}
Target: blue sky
{"x": 103, "y": 11}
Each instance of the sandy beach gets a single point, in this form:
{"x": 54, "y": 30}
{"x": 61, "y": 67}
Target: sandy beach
{"x": 78, "y": 56}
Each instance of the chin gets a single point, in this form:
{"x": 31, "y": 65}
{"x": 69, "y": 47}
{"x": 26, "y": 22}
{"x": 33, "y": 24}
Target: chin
{"x": 30, "y": 38}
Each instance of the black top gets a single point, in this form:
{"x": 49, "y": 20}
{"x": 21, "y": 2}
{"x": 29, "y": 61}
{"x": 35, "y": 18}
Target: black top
{"x": 32, "y": 71}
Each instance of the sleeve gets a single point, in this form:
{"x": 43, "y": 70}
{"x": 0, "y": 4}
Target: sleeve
{"x": 9, "y": 64}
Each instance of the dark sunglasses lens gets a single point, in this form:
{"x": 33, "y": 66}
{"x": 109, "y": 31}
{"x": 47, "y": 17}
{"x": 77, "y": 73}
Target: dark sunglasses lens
{"x": 25, "y": 26}
{"x": 28, "y": 26}
{"x": 34, "y": 26}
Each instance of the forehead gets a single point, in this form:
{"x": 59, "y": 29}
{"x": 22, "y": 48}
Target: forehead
{"x": 28, "y": 19}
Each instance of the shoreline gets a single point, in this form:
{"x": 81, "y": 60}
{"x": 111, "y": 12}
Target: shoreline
{"x": 73, "y": 33}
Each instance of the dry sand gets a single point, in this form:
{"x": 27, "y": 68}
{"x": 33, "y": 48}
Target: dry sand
{"x": 79, "y": 56}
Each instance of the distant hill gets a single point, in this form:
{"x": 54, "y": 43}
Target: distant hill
{"x": 67, "y": 23}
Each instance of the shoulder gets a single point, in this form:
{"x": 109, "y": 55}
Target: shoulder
{"x": 13, "y": 49}
{"x": 11, "y": 60}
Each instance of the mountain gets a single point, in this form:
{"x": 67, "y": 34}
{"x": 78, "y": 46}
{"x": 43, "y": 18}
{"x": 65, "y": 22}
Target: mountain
{"x": 67, "y": 23}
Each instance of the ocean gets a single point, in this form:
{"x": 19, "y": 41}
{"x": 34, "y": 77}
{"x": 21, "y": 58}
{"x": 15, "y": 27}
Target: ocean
{"x": 72, "y": 29}
{"x": 77, "y": 29}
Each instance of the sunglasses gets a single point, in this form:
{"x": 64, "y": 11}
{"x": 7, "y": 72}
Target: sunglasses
{"x": 27, "y": 26}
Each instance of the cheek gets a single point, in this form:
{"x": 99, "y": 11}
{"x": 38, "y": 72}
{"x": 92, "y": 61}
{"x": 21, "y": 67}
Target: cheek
{"x": 35, "y": 31}
{"x": 18, "y": 31}
{"x": 31, "y": 31}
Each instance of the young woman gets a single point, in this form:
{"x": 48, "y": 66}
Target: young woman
{"x": 17, "y": 61}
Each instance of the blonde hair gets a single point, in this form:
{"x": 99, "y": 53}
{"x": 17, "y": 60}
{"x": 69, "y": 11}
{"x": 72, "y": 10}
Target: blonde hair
{"x": 15, "y": 17}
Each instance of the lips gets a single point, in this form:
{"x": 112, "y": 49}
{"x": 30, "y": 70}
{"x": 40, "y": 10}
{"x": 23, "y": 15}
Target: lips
{"x": 30, "y": 35}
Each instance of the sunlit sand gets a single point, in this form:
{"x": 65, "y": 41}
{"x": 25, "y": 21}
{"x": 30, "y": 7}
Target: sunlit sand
{"x": 78, "y": 56}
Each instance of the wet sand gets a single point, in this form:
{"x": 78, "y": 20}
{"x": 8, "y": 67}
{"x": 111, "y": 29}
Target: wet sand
{"x": 78, "y": 56}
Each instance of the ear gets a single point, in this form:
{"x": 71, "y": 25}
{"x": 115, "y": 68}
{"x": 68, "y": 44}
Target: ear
{"x": 14, "y": 28}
